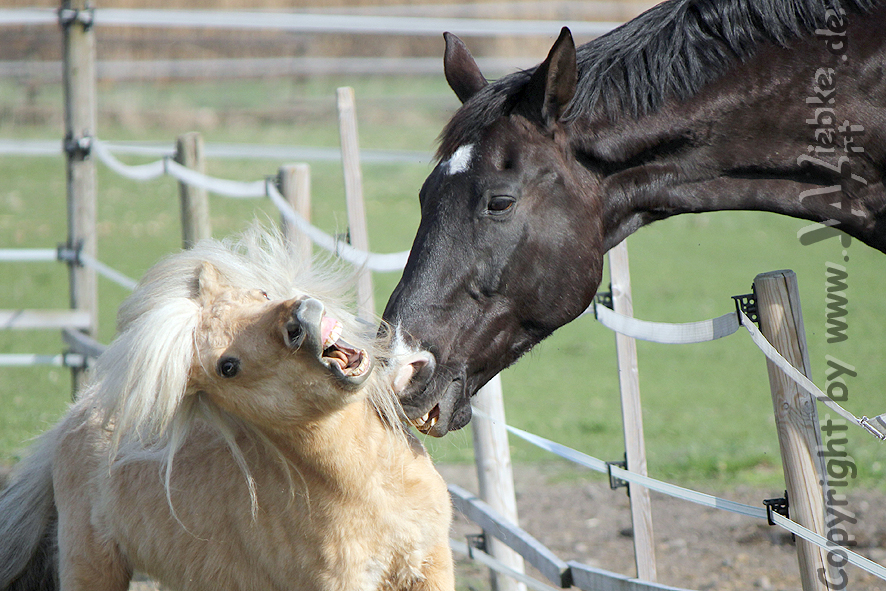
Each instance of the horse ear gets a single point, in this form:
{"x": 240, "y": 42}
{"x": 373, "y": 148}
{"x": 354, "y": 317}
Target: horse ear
{"x": 553, "y": 83}
{"x": 209, "y": 283}
{"x": 462, "y": 72}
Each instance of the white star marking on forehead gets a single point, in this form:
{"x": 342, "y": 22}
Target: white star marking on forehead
{"x": 460, "y": 160}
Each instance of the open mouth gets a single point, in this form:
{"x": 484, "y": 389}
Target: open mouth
{"x": 312, "y": 331}
{"x": 427, "y": 422}
{"x": 340, "y": 356}
{"x": 449, "y": 409}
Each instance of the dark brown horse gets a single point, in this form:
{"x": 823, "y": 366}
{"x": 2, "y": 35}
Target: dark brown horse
{"x": 696, "y": 105}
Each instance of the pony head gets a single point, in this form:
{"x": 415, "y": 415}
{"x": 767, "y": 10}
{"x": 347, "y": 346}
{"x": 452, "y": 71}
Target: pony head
{"x": 239, "y": 335}
{"x": 272, "y": 362}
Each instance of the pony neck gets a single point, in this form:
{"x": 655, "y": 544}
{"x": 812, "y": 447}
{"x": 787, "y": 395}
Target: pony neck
{"x": 346, "y": 445}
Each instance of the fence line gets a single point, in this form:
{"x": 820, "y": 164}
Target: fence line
{"x": 29, "y": 359}
{"x": 232, "y": 68}
{"x": 715, "y": 328}
{"x": 28, "y": 255}
{"x": 497, "y": 566}
{"x": 15, "y": 147}
{"x": 309, "y": 22}
{"x": 382, "y": 263}
{"x": 712, "y": 329}
{"x": 692, "y": 496}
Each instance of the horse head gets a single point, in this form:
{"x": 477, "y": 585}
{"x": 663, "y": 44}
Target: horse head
{"x": 506, "y": 194}
{"x": 690, "y": 107}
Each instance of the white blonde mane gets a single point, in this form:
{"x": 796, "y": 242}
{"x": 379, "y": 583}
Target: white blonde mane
{"x": 140, "y": 384}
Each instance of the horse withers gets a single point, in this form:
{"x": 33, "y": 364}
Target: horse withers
{"x": 242, "y": 431}
{"x": 691, "y": 107}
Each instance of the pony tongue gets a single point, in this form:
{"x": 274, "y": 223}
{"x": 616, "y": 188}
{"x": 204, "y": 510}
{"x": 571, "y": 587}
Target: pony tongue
{"x": 330, "y": 331}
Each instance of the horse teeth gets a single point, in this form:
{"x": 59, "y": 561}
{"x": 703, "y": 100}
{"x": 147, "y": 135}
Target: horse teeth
{"x": 425, "y": 423}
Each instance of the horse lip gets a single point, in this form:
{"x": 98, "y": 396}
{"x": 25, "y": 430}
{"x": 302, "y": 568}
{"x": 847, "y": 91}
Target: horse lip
{"x": 454, "y": 409}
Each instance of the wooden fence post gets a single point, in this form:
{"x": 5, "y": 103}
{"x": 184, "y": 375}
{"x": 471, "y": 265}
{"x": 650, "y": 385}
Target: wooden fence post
{"x": 75, "y": 18}
{"x": 632, "y": 415}
{"x": 495, "y": 477}
{"x": 350, "y": 156}
{"x": 295, "y": 186}
{"x": 796, "y": 418}
{"x": 194, "y": 201}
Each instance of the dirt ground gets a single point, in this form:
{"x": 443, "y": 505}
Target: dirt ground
{"x": 578, "y": 517}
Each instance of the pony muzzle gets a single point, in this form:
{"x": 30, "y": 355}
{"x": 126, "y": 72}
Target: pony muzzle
{"x": 309, "y": 329}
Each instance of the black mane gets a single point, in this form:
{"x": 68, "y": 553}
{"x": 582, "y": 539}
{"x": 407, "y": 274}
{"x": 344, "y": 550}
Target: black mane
{"x": 672, "y": 50}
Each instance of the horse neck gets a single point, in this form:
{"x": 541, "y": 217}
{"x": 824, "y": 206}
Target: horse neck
{"x": 766, "y": 136}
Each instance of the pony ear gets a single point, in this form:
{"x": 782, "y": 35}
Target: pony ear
{"x": 462, "y": 72}
{"x": 209, "y": 283}
{"x": 553, "y": 83}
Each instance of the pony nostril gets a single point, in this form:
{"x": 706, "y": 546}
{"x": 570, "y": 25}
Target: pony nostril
{"x": 308, "y": 315}
{"x": 294, "y": 334}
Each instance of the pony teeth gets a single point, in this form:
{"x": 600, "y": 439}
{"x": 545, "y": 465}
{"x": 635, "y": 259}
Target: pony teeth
{"x": 334, "y": 332}
{"x": 364, "y": 364}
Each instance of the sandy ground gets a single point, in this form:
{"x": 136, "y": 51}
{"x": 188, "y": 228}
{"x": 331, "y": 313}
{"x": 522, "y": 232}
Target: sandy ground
{"x": 579, "y": 517}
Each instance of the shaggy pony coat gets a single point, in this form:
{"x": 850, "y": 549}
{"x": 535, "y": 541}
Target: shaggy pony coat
{"x": 221, "y": 445}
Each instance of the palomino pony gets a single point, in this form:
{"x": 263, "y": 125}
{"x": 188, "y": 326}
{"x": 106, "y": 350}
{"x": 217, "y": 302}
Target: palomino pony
{"x": 694, "y": 106}
{"x": 237, "y": 434}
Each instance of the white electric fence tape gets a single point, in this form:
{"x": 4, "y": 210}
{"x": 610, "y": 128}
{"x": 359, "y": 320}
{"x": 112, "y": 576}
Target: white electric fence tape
{"x": 498, "y": 566}
{"x": 667, "y": 333}
{"x": 875, "y": 426}
{"x": 376, "y": 262}
{"x": 692, "y": 496}
{"x": 382, "y": 263}
{"x": 107, "y": 272}
{"x": 708, "y": 330}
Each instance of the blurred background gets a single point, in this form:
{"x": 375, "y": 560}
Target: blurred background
{"x": 264, "y": 97}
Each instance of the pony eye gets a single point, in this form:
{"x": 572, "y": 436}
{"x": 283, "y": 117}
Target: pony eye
{"x": 265, "y": 294}
{"x": 228, "y": 367}
{"x": 500, "y": 204}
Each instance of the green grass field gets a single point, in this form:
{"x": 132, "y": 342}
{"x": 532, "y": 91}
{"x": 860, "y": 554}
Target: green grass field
{"x": 707, "y": 408}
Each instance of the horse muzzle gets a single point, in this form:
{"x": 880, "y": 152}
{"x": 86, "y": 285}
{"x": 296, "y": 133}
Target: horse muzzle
{"x": 437, "y": 404}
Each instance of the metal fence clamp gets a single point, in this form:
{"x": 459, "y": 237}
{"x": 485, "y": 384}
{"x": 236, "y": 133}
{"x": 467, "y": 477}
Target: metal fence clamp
{"x": 78, "y": 147}
{"x": 777, "y": 505}
{"x": 68, "y": 16}
{"x": 614, "y": 481}
{"x": 747, "y": 303}
{"x": 70, "y": 254}
{"x": 476, "y": 542}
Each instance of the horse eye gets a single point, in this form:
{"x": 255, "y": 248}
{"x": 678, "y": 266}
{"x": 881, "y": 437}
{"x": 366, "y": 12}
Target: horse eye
{"x": 228, "y": 367}
{"x": 500, "y": 204}
{"x": 265, "y": 294}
